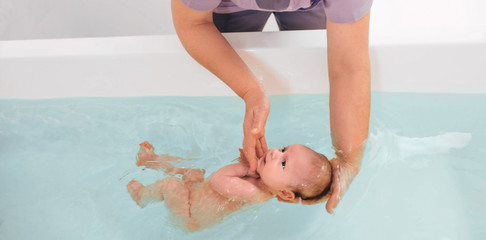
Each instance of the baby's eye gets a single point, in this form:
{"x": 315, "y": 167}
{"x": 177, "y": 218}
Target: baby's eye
{"x": 283, "y": 163}
{"x": 283, "y": 149}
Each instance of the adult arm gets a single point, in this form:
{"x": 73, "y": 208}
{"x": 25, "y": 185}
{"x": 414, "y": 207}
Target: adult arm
{"x": 349, "y": 100}
{"x": 206, "y": 45}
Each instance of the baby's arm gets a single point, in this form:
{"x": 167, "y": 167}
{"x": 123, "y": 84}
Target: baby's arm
{"x": 236, "y": 182}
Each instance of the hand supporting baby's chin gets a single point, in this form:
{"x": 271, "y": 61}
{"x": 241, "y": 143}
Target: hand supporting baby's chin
{"x": 253, "y": 174}
{"x": 242, "y": 159}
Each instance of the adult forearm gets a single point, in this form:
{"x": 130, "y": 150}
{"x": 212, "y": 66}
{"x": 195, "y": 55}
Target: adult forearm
{"x": 208, "y": 47}
{"x": 349, "y": 78}
{"x": 349, "y": 104}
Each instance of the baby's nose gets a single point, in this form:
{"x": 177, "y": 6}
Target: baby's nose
{"x": 275, "y": 153}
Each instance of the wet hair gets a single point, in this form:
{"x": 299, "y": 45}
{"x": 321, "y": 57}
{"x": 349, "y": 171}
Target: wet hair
{"x": 318, "y": 184}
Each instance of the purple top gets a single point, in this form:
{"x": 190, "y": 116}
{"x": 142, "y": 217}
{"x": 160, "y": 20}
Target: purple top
{"x": 338, "y": 11}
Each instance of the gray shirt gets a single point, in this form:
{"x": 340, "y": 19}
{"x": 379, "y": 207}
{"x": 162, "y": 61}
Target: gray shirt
{"x": 338, "y": 11}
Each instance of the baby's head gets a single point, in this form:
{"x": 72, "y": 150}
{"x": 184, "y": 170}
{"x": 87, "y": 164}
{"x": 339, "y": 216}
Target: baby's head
{"x": 296, "y": 174}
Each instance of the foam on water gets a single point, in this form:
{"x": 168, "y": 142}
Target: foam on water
{"x": 64, "y": 165}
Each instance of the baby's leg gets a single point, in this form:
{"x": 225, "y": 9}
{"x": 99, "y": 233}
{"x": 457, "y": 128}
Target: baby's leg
{"x": 143, "y": 195}
{"x": 175, "y": 193}
{"x": 146, "y": 157}
{"x": 177, "y": 199}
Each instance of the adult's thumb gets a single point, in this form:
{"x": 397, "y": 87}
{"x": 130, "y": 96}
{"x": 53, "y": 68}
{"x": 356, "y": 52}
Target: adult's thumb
{"x": 332, "y": 202}
{"x": 253, "y": 165}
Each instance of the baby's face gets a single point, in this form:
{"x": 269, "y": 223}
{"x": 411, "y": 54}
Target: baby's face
{"x": 280, "y": 168}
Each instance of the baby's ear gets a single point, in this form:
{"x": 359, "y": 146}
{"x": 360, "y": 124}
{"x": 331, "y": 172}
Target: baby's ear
{"x": 287, "y": 196}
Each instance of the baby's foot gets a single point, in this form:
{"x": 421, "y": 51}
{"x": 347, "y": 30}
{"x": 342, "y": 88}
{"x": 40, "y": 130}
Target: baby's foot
{"x": 134, "y": 189}
{"x": 147, "y": 145}
{"x": 145, "y": 154}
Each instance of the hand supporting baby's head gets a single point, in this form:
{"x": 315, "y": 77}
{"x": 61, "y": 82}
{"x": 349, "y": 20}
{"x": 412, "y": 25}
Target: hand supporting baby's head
{"x": 316, "y": 185}
{"x": 296, "y": 174}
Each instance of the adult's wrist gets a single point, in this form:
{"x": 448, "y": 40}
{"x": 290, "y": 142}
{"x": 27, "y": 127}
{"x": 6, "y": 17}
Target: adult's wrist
{"x": 253, "y": 92}
{"x": 352, "y": 157}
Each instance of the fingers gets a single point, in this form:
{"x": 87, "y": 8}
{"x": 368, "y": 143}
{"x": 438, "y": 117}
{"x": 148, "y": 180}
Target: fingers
{"x": 261, "y": 147}
{"x": 250, "y": 150}
{"x": 251, "y": 157}
{"x": 254, "y": 144}
{"x": 336, "y": 190}
{"x": 253, "y": 149}
{"x": 263, "y": 143}
{"x": 258, "y": 124}
{"x": 333, "y": 201}
{"x": 253, "y": 174}
{"x": 258, "y": 132}
{"x": 253, "y": 164}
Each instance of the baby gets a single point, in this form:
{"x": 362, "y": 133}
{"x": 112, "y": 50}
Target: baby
{"x": 293, "y": 174}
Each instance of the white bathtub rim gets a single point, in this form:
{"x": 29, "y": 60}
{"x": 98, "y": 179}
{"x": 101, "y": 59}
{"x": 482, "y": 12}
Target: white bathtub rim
{"x": 240, "y": 41}
{"x": 262, "y": 51}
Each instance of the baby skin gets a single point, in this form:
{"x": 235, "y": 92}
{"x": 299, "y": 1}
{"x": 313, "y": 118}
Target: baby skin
{"x": 292, "y": 174}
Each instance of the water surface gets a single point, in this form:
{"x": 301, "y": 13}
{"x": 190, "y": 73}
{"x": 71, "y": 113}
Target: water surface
{"x": 64, "y": 165}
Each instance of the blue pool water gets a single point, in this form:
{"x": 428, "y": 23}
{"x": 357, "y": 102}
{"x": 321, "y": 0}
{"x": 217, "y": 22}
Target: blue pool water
{"x": 64, "y": 165}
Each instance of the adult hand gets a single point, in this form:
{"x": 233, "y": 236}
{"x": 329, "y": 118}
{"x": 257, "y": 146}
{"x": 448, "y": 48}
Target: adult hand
{"x": 256, "y": 113}
{"x": 244, "y": 161}
{"x": 343, "y": 174}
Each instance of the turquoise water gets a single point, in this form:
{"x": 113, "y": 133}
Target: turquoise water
{"x": 64, "y": 165}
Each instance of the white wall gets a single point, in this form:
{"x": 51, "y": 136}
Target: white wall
{"x": 39, "y": 19}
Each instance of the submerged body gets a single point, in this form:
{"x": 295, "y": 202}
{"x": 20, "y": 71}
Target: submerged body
{"x": 208, "y": 207}
{"x": 298, "y": 175}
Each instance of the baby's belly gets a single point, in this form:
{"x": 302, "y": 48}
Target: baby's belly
{"x": 208, "y": 207}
